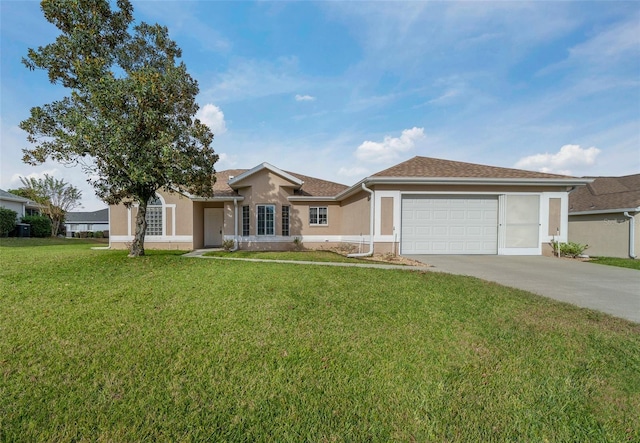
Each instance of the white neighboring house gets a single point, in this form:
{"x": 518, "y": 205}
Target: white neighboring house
{"x": 22, "y": 206}
{"x": 96, "y": 221}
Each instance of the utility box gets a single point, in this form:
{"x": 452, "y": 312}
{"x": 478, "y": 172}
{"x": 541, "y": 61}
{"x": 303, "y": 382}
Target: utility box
{"x": 23, "y": 230}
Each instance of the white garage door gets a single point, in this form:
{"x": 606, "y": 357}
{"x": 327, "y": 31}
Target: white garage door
{"x": 449, "y": 225}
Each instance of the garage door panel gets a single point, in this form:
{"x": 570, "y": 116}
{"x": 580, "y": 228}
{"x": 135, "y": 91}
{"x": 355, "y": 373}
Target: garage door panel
{"x": 449, "y": 225}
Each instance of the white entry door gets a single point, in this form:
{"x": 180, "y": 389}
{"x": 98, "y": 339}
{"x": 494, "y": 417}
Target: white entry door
{"x": 449, "y": 224}
{"x": 213, "y": 226}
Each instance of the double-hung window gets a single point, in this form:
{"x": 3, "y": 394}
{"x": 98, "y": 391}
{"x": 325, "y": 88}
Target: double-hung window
{"x": 266, "y": 219}
{"x": 245, "y": 221}
{"x": 318, "y": 215}
{"x": 285, "y": 221}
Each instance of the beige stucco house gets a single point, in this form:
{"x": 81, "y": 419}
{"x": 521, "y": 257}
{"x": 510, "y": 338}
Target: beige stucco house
{"x": 605, "y": 215}
{"x": 421, "y": 206}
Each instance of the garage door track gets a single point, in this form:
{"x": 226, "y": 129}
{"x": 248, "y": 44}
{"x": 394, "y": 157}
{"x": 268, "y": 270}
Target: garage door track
{"x": 609, "y": 289}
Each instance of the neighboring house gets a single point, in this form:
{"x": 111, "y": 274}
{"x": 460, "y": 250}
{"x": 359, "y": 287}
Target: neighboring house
{"x": 22, "y": 206}
{"x": 421, "y": 206}
{"x": 605, "y": 215}
{"x": 97, "y": 221}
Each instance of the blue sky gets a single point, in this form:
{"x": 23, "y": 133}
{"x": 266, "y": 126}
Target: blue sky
{"x": 341, "y": 90}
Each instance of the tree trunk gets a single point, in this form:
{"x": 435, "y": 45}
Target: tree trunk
{"x": 55, "y": 226}
{"x": 137, "y": 247}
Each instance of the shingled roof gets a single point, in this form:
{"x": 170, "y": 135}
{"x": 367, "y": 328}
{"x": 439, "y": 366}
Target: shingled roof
{"x": 312, "y": 187}
{"x": 607, "y": 193}
{"x": 435, "y": 167}
{"x": 4, "y": 195}
{"x": 100, "y": 216}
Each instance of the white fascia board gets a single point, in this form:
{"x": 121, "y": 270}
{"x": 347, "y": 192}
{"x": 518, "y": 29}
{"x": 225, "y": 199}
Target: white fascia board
{"x": 269, "y": 167}
{"x": 217, "y": 199}
{"x": 569, "y": 182}
{"x": 605, "y": 211}
{"x": 302, "y": 198}
{"x": 17, "y": 199}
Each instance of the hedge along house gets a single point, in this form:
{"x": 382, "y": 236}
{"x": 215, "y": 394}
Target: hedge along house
{"x": 421, "y": 206}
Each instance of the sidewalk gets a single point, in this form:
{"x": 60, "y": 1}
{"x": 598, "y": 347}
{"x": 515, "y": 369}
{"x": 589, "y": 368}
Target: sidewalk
{"x": 199, "y": 253}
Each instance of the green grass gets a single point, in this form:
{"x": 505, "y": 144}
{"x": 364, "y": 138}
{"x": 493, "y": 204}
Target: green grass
{"x": 316, "y": 256}
{"x": 95, "y": 346}
{"x": 619, "y": 262}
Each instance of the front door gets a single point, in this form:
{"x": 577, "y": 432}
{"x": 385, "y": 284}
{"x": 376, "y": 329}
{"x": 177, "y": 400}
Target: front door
{"x": 213, "y": 226}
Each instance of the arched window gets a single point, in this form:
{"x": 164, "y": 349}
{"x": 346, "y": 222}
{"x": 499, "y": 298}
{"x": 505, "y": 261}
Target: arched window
{"x": 154, "y": 216}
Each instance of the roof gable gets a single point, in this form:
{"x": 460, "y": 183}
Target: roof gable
{"x": 310, "y": 186}
{"x": 435, "y": 167}
{"x": 235, "y": 181}
{"x": 607, "y": 193}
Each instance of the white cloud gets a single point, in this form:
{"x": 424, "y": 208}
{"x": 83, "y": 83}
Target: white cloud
{"x": 16, "y": 182}
{"x": 213, "y": 117}
{"x": 355, "y": 171}
{"x": 304, "y": 98}
{"x": 390, "y": 148}
{"x": 251, "y": 79}
{"x": 569, "y": 156}
{"x": 621, "y": 40}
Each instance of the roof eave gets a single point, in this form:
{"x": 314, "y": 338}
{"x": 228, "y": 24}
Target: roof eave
{"x": 217, "y": 199}
{"x": 310, "y": 198}
{"x": 605, "y": 211}
{"x": 572, "y": 181}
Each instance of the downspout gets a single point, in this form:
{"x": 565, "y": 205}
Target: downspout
{"x": 632, "y": 234}
{"x": 235, "y": 226}
{"x": 371, "y": 226}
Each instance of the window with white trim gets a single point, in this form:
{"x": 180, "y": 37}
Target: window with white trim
{"x": 318, "y": 215}
{"x": 245, "y": 221}
{"x": 285, "y": 221}
{"x": 154, "y": 216}
{"x": 266, "y": 219}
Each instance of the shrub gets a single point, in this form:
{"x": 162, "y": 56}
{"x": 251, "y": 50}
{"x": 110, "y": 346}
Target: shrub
{"x": 40, "y": 225}
{"x": 297, "y": 243}
{"x": 99, "y": 234}
{"x": 569, "y": 249}
{"x": 7, "y": 221}
{"x": 227, "y": 245}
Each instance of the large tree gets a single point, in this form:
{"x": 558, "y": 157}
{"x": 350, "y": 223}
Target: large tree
{"x": 129, "y": 118}
{"x": 55, "y": 197}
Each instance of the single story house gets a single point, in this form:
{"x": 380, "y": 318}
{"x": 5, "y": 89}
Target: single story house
{"x": 420, "y": 206}
{"x": 605, "y": 215}
{"x": 20, "y": 205}
{"x": 96, "y": 221}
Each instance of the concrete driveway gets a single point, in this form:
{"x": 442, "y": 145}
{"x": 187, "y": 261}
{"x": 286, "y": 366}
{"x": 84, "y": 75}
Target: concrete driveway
{"x": 615, "y": 291}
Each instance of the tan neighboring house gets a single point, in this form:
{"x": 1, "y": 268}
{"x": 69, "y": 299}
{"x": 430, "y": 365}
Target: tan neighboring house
{"x": 420, "y": 206}
{"x": 605, "y": 215}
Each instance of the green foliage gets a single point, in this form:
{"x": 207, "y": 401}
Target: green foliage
{"x": 213, "y": 350}
{"x": 227, "y": 245}
{"x": 569, "y": 249}
{"x": 129, "y": 118}
{"x": 55, "y": 197}
{"x": 619, "y": 262}
{"x": 40, "y": 225}
{"x": 7, "y": 221}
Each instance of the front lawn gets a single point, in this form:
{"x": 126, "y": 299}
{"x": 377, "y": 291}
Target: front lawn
{"x": 95, "y": 346}
{"x": 620, "y": 262}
